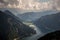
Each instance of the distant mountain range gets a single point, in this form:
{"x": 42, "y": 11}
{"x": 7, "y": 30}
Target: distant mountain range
{"x": 48, "y": 23}
{"x": 11, "y": 27}
{"x": 32, "y": 16}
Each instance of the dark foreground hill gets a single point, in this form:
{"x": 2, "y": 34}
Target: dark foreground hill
{"x": 49, "y": 22}
{"x": 51, "y": 36}
{"x": 11, "y": 27}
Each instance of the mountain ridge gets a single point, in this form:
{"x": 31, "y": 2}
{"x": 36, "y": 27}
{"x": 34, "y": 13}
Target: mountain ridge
{"x": 11, "y": 27}
{"x": 32, "y": 16}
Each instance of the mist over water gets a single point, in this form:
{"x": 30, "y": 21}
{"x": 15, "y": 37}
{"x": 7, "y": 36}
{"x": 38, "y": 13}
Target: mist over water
{"x": 36, "y": 36}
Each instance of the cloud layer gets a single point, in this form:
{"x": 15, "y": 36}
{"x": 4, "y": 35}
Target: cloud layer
{"x": 30, "y": 4}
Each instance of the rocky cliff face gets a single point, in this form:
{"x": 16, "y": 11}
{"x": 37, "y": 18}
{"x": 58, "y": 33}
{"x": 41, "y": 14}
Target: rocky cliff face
{"x": 12, "y": 28}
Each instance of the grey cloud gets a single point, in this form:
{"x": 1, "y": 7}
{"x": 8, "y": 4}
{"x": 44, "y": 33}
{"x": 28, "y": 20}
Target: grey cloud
{"x": 2, "y": 1}
{"x": 43, "y": 0}
{"x": 6, "y": 2}
{"x": 56, "y": 4}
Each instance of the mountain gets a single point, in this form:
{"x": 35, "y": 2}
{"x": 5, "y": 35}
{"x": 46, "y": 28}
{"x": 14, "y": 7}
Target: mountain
{"x": 51, "y": 36}
{"x": 49, "y": 22}
{"x": 12, "y": 28}
{"x": 32, "y": 16}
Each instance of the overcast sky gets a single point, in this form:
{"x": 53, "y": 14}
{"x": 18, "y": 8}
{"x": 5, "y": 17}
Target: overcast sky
{"x": 30, "y": 4}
